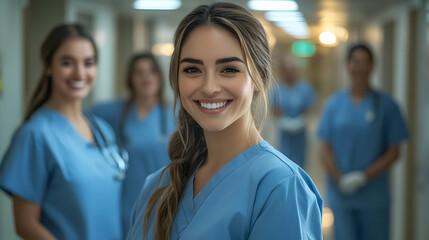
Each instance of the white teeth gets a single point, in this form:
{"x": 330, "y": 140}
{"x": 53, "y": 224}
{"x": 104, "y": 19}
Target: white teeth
{"x": 78, "y": 84}
{"x": 212, "y": 106}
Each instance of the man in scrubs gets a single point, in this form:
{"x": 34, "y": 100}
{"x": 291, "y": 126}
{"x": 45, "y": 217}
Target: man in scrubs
{"x": 361, "y": 130}
{"x": 292, "y": 98}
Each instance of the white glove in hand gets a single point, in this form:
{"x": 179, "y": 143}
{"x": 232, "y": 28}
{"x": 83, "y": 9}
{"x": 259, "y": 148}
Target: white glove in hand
{"x": 291, "y": 125}
{"x": 352, "y": 181}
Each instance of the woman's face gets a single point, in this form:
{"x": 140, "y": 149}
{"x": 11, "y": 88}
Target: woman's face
{"x": 73, "y": 69}
{"x": 214, "y": 84}
{"x": 145, "y": 79}
{"x": 360, "y": 66}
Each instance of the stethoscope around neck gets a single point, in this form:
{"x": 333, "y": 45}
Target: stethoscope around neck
{"x": 118, "y": 158}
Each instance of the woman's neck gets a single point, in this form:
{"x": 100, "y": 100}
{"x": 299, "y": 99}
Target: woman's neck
{"x": 71, "y": 110}
{"x": 222, "y": 146}
{"x": 145, "y": 104}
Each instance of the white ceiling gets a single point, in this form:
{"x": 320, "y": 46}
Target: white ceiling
{"x": 339, "y": 13}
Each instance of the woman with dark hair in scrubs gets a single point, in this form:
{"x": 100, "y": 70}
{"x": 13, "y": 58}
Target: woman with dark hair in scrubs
{"x": 361, "y": 130}
{"x": 63, "y": 168}
{"x": 143, "y": 123}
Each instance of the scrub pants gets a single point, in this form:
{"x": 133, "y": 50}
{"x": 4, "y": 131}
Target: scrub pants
{"x": 361, "y": 224}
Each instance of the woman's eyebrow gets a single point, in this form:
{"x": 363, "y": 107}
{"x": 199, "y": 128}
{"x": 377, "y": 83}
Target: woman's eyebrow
{"x": 192, "y": 60}
{"x": 228, "y": 59}
{"x": 67, "y": 57}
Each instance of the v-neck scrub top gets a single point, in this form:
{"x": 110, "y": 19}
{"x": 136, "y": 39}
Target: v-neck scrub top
{"x": 145, "y": 142}
{"x": 50, "y": 164}
{"x": 360, "y": 133}
{"x": 260, "y": 194}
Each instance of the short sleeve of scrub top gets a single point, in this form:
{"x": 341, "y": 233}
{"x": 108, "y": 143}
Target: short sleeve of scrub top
{"x": 25, "y": 159}
{"x": 271, "y": 224}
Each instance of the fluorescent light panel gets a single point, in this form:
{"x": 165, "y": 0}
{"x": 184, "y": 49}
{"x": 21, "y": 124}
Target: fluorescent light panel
{"x": 157, "y": 5}
{"x": 273, "y": 5}
{"x": 282, "y": 16}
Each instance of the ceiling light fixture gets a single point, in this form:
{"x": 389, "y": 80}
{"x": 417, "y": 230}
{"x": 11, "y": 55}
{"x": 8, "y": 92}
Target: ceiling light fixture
{"x": 284, "y": 16}
{"x": 157, "y": 5}
{"x": 272, "y": 5}
{"x": 327, "y": 38}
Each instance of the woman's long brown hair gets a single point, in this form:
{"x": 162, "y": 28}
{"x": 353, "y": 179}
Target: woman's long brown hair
{"x": 187, "y": 147}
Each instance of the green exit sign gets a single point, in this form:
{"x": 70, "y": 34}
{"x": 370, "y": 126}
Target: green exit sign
{"x": 303, "y": 49}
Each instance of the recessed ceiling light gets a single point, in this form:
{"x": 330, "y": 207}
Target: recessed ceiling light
{"x": 273, "y": 5}
{"x": 157, "y": 5}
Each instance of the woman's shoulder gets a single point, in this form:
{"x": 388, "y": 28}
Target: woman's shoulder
{"x": 272, "y": 168}
{"x": 279, "y": 177}
{"x": 268, "y": 158}
{"x": 41, "y": 122}
{"x": 161, "y": 177}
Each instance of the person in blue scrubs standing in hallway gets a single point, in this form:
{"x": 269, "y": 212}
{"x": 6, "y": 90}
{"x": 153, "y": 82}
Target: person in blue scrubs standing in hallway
{"x": 361, "y": 131}
{"x": 62, "y": 167}
{"x": 224, "y": 181}
{"x": 143, "y": 123}
{"x": 292, "y": 99}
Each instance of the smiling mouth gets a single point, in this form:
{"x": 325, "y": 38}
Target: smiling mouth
{"x": 77, "y": 84}
{"x": 213, "y": 105}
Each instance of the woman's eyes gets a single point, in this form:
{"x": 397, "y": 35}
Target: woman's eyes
{"x": 224, "y": 70}
{"x": 67, "y": 63}
{"x": 230, "y": 70}
{"x": 70, "y": 63}
{"x": 89, "y": 64}
{"x": 191, "y": 70}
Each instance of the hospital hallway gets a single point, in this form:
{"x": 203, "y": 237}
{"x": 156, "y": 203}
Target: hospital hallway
{"x": 312, "y": 36}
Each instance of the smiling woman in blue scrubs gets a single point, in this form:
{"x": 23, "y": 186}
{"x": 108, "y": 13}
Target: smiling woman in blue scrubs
{"x": 292, "y": 99}
{"x": 361, "y": 129}
{"x": 62, "y": 185}
{"x": 143, "y": 123}
{"x": 224, "y": 181}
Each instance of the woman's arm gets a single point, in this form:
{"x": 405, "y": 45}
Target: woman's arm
{"x": 383, "y": 163}
{"x": 27, "y": 220}
{"x": 328, "y": 161}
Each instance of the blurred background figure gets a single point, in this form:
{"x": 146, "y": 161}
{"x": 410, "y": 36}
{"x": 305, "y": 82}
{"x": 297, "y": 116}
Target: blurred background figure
{"x": 62, "y": 167}
{"x": 292, "y": 98}
{"x": 361, "y": 129}
{"x": 143, "y": 124}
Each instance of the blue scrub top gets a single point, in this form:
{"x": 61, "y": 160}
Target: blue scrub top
{"x": 50, "y": 164}
{"x": 146, "y": 141}
{"x": 260, "y": 194}
{"x": 293, "y": 102}
{"x": 360, "y": 133}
